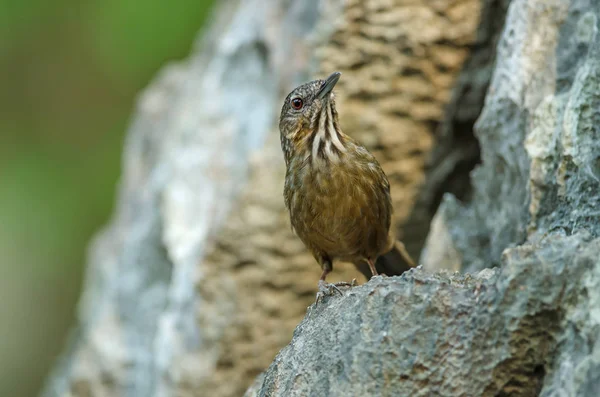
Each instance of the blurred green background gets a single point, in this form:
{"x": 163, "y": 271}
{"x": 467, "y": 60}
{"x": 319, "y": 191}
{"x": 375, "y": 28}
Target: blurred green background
{"x": 69, "y": 74}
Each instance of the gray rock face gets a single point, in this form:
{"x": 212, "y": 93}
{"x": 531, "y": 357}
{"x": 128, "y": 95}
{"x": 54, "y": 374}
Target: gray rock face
{"x": 530, "y": 327}
{"x": 538, "y": 134}
{"x": 423, "y": 334}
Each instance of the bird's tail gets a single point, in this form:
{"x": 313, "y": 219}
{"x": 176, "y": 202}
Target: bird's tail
{"x": 394, "y": 263}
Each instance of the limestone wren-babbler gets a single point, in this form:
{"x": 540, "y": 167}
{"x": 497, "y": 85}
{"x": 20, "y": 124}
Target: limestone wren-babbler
{"x": 336, "y": 192}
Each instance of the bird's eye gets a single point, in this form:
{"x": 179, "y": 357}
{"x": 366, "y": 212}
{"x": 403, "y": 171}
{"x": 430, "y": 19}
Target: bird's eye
{"x": 297, "y": 103}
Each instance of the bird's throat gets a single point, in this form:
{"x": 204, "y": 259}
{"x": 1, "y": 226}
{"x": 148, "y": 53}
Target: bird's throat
{"x": 327, "y": 140}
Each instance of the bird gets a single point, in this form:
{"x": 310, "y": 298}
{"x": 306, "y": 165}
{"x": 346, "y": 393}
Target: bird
{"x": 337, "y": 195}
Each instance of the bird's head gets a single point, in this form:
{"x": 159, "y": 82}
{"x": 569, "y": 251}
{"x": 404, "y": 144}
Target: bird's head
{"x": 307, "y": 112}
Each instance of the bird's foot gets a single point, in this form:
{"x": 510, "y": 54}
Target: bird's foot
{"x": 345, "y": 284}
{"x": 329, "y": 289}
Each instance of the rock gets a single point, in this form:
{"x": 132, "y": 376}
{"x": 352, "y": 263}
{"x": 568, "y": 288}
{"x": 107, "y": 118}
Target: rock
{"x": 533, "y": 178}
{"x": 422, "y": 334}
{"x": 528, "y": 328}
{"x": 198, "y": 281}
{"x": 456, "y": 150}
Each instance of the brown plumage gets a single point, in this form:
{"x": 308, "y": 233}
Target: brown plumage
{"x": 335, "y": 190}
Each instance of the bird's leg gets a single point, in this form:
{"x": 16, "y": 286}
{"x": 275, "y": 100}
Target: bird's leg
{"x": 405, "y": 255}
{"x": 371, "y": 263}
{"x": 324, "y": 287}
{"x": 335, "y": 285}
{"x": 326, "y": 271}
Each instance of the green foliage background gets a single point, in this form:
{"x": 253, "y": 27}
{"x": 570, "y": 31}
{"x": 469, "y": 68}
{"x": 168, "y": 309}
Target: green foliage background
{"x": 69, "y": 74}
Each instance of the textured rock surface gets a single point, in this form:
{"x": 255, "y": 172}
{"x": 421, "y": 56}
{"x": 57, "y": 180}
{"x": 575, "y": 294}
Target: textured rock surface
{"x": 422, "y": 334}
{"x": 198, "y": 281}
{"x": 538, "y": 132}
{"x": 530, "y": 329}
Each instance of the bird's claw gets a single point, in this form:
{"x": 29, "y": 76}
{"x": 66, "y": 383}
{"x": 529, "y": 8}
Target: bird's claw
{"x": 345, "y": 284}
{"x": 327, "y": 289}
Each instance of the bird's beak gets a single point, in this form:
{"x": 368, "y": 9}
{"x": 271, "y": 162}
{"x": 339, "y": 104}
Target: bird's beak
{"x": 328, "y": 85}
